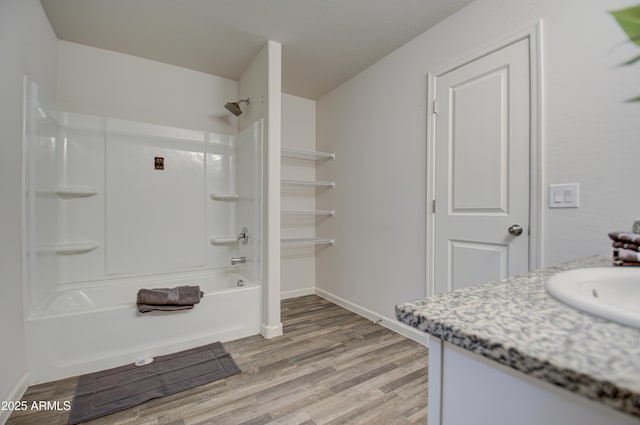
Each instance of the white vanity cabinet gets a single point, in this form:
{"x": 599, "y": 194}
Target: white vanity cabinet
{"x": 466, "y": 388}
{"x": 506, "y": 352}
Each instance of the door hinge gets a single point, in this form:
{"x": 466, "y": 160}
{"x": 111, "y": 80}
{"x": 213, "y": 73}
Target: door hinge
{"x": 433, "y": 206}
{"x": 435, "y": 106}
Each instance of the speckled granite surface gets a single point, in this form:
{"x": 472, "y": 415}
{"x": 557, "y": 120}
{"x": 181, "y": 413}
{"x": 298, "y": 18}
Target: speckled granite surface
{"x": 517, "y": 323}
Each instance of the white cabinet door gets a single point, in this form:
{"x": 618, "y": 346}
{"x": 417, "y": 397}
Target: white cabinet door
{"x": 471, "y": 389}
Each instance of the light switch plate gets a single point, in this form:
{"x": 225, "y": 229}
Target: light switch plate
{"x": 564, "y": 195}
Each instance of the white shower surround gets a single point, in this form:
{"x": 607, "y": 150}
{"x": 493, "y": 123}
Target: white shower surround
{"x": 103, "y": 223}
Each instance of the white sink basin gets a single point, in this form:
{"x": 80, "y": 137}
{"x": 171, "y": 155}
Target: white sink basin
{"x": 611, "y": 292}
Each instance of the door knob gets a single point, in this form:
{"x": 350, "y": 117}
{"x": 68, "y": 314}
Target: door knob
{"x": 515, "y": 230}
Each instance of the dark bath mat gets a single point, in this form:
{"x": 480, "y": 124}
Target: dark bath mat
{"x": 109, "y": 391}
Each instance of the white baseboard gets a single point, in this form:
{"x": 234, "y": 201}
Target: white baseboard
{"x": 297, "y": 293}
{"x": 271, "y": 331}
{"x": 387, "y": 322}
{"x": 15, "y": 395}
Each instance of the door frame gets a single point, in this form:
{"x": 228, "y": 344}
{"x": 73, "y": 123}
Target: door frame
{"x": 532, "y": 33}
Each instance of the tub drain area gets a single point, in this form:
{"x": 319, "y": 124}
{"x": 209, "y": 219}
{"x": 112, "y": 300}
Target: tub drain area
{"x": 143, "y": 362}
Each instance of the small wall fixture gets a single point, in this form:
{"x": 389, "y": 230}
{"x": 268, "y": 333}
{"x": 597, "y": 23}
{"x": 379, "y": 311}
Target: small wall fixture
{"x": 234, "y": 107}
{"x": 158, "y": 163}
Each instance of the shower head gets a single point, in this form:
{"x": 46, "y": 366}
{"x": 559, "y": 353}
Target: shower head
{"x": 234, "y": 107}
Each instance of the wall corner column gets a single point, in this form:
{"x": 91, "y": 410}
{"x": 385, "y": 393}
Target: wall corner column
{"x": 272, "y": 326}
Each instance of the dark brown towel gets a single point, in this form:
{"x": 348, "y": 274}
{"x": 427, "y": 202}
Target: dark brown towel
{"x": 626, "y": 263}
{"x": 146, "y": 308}
{"x": 626, "y": 255}
{"x": 630, "y": 246}
{"x": 181, "y": 295}
{"x": 625, "y": 237}
{"x": 168, "y": 299}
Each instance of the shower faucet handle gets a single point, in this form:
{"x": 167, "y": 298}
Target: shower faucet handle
{"x": 243, "y": 236}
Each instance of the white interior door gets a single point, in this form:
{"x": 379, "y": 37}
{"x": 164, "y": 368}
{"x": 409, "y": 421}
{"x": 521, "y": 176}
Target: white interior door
{"x": 482, "y": 142}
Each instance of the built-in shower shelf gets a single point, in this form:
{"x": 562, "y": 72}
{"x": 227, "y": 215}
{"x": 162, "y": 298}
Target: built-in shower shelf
{"x": 332, "y": 213}
{"x": 224, "y": 240}
{"x": 309, "y": 183}
{"x": 75, "y": 248}
{"x": 307, "y": 241}
{"x": 75, "y": 191}
{"x": 224, "y": 196}
{"x": 303, "y": 154}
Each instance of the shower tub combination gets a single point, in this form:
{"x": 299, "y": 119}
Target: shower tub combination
{"x": 134, "y": 205}
{"x": 96, "y": 327}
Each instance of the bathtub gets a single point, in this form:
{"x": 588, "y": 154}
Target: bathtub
{"x": 93, "y": 326}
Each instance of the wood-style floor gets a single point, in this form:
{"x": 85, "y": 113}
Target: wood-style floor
{"x": 331, "y": 366}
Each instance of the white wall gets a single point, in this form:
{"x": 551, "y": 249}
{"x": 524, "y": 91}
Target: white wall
{"x": 253, "y": 85}
{"x": 298, "y": 132}
{"x": 101, "y": 82}
{"x": 27, "y": 46}
{"x": 376, "y": 124}
{"x": 262, "y": 82}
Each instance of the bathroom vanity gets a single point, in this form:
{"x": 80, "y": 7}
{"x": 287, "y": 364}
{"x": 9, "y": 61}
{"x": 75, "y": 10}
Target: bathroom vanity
{"x": 508, "y": 352}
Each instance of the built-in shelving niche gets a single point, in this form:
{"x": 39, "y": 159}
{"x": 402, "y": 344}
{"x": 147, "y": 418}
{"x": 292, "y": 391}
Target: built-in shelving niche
{"x": 311, "y": 156}
{"x": 72, "y": 192}
{"x": 226, "y": 197}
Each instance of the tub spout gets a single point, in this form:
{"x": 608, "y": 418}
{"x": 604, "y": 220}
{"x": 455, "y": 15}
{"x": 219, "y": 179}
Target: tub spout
{"x": 236, "y": 260}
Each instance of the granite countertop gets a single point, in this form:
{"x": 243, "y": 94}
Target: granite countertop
{"x": 517, "y": 323}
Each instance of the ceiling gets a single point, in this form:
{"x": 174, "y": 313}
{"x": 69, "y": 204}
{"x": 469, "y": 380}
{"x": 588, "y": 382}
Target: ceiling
{"x": 324, "y": 42}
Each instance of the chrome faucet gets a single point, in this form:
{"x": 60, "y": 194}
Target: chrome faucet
{"x": 236, "y": 260}
{"x": 243, "y": 236}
